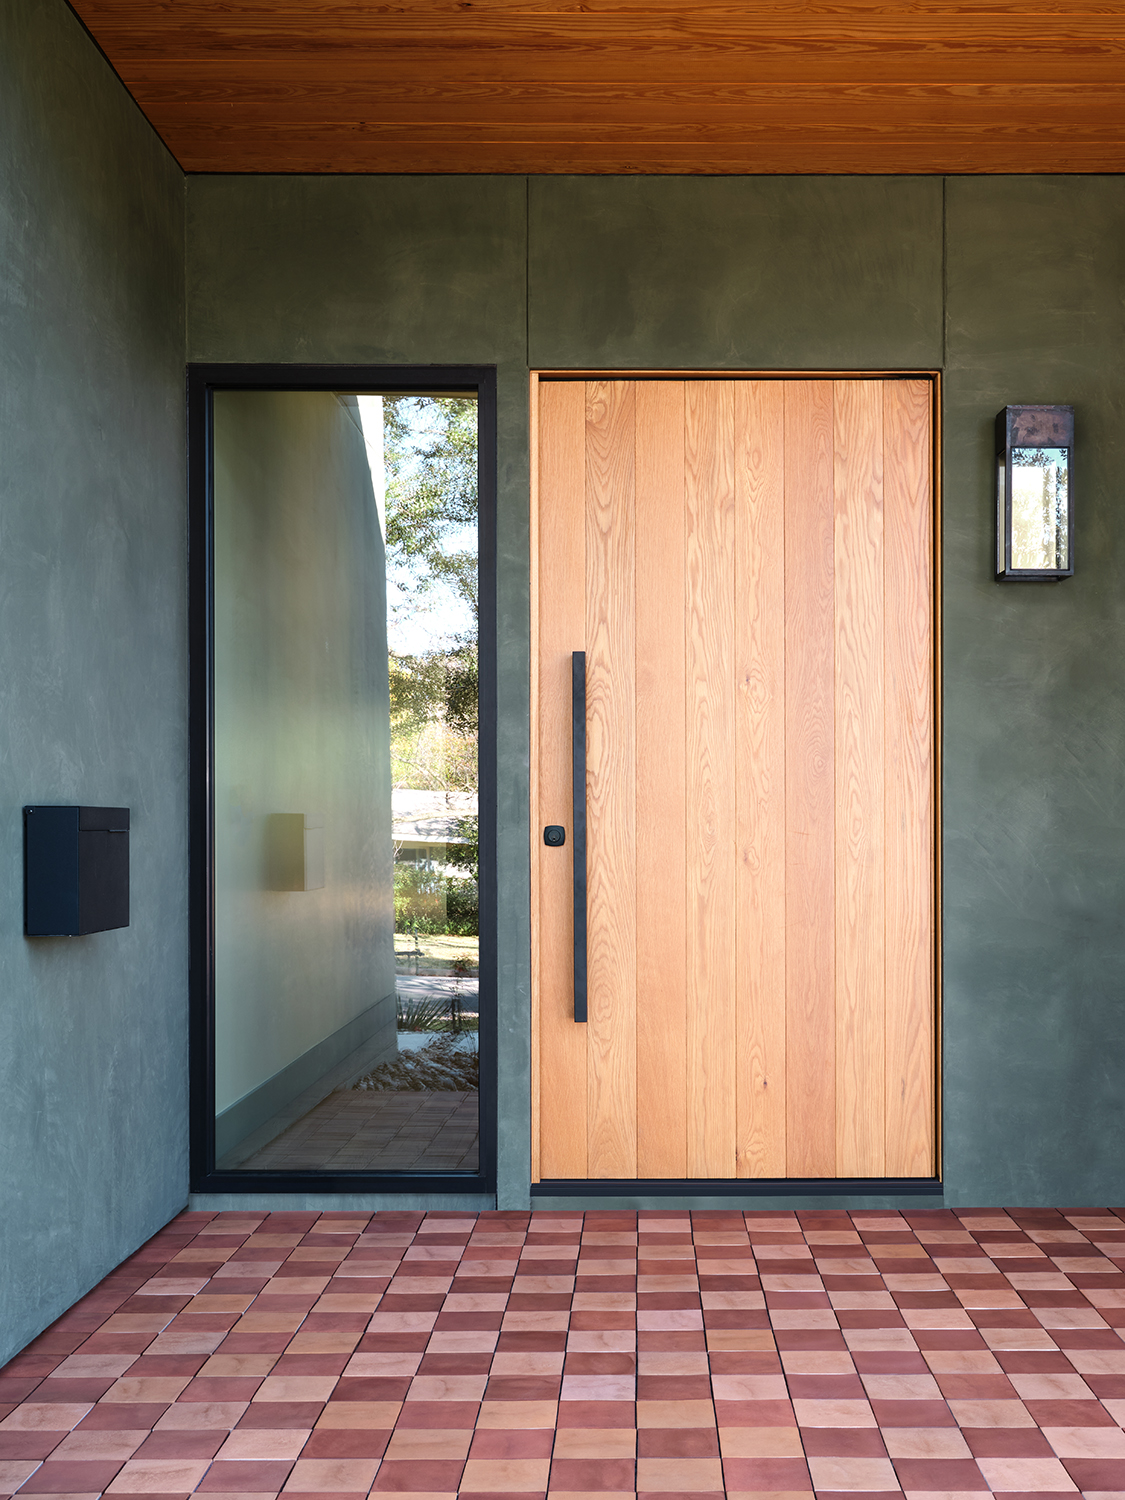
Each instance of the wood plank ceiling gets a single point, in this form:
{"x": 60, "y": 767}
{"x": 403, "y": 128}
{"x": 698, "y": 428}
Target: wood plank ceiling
{"x": 624, "y": 85}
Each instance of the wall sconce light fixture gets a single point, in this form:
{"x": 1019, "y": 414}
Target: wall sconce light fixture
{"x": 1034, "y": 513}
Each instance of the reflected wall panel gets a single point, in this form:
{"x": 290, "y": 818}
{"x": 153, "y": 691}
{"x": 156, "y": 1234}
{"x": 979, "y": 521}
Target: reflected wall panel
{"x": 303, "y": 855}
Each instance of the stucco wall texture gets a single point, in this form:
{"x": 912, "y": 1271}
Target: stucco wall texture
{"x": 1011, "y": 286}
{"x": 93, "y": 663}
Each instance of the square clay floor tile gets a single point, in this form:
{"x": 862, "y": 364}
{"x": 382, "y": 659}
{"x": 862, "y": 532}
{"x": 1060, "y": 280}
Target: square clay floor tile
{"x": 101, "y": 1443}
{"x": 941, "y": 1475}
{"x": 1070, "y": 1414}
{"x": 158, "y": 1388}
{"x": 1087, "y": 1442}
{"x": 602, "y": 1341}
{"x": 467, "y": 1342}
{"x": 246, "y": 1477}
{"x": 778, "y": 1476}
{"x": 445, "y": 1415}
{"x": 680, "y": 1475}
{"x": 925, "y": 1442}
{"x": 263, "y": 1443}
{"x": 332, "y": 1475}
{"x": 598, "y": 1388}
{"x": 505, "y": 1475}
{"x": 158, "y": 1476}
{"x": 517, "y": 1414}
{"x": 353, "y": 1414}
{"x": 411, "y": 1444}
{"x": 446, "y": 1388}
{"x": 48, "y": 1416}
{"x": 1094, "y": 1473}
{"x": 1025, "y": 1475}
{"x": 200, "y": 1416}
{"x": 383, "y": 1364}
{"x": 79, "y": 1477}
{"x": 838, "y": 1442}
{"x": 432, "y": 1475}
{"x": 295, "y": 1388}
{"x": 78, "y": 1366}
{"x": 991, "y": 1414}
{"x": 760, "y": 1442}
{"x": 1051, "y": 1387}
{"x": 962, "y": 1361}
{"x": 834, "y": 1414}
{"x": 677, "y": 1442}
{"x": 901, "y": 1388}
{"x": 545, "y": 1362}
{"x": 234, "y": 1365}
{"x": 525, "y": 1442}
{"x": 593, "y": 1474}
{"x": 749, "y": 1387}
{"x": 343, "y": 1442}
{"x": 181, "y": 1445}
{"x": 675, "y": 1414}
{"x": 1018, "y": 1338}
{"x": 595, "y": 1442}
{"x": 872, "y": 1474}
{"x": 672, "y": 1362}
{"x": 817, "y": 1362}
{"x": 880, "y": 1339}
{"x": 13, "y": 1472}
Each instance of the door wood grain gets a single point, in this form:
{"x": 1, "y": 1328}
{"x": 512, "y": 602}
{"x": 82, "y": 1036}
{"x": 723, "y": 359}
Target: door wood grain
{"x": 749, "y": 567}
{"x": 810, "y": 741}
{"x": 661, "y": 760}
{"x": 760, "y": 776}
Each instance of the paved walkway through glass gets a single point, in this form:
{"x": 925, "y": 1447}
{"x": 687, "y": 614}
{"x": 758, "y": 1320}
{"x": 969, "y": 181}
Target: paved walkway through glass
{"x": 587, "y": 1356}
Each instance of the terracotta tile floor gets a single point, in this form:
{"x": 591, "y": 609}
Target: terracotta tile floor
{"x": 389, "y": 1131}
{"x": 664, "y": 1354}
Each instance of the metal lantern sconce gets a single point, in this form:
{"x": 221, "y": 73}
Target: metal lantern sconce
{"x": 1034, "y": 510}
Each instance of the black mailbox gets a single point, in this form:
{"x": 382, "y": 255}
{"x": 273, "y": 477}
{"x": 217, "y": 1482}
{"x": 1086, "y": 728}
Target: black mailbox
{"x": 75, "y": 870}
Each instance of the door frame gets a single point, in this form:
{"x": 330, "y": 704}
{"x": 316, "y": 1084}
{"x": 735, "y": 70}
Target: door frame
{"x": 202, "y": 381}
{"x": 761, "y": 1187}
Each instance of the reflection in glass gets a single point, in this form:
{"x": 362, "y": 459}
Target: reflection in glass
{"x": 1039, "y": 508}
{"x": 345, "y": 782}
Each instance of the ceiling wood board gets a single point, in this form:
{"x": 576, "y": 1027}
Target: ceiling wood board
{"x": 627, "y": 86}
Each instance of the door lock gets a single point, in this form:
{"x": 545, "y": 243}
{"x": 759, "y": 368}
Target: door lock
{"x": 554, "y": 836}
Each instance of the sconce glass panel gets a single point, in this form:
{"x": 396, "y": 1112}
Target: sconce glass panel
{"x": 1034, "y": 515}
{"x": 1040, "y": 490}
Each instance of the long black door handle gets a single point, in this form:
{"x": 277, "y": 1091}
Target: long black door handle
{"x": 578, "y": 763}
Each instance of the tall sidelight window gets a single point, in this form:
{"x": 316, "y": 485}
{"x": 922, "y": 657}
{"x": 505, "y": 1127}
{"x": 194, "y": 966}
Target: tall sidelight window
{"x": 343, "y": 987}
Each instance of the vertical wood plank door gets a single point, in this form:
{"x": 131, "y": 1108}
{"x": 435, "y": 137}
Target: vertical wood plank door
{"x": 748, "y": 566}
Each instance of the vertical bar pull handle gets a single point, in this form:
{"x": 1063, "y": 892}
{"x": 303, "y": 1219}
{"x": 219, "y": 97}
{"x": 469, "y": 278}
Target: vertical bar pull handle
{"x": 578, "y": 763}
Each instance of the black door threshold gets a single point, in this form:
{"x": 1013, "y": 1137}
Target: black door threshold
{"x": 736, "y": 1187}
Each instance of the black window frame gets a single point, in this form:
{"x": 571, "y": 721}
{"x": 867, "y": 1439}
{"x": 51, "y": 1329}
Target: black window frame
{"x": 435, "y": 380}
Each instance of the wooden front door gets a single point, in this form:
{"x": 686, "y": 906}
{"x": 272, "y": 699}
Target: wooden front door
{"x": 748, "y": 567}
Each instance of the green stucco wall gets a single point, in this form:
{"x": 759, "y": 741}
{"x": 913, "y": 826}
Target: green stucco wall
{"x": 1034, "y": 689}
{"x": 93, "y": 668}
{"x": 1013, "y": 286}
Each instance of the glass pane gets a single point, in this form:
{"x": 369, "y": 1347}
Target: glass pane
{"x": 1039, "y": 499}
{"x": 345, "y": 776}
